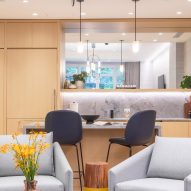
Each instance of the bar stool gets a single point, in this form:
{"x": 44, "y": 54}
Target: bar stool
{"x": 139, "y": 131}
{"x": 67, "y": 130}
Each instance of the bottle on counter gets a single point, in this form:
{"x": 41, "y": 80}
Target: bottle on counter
{"x": 111, "y": 114}
{"x": 189, "y": 114}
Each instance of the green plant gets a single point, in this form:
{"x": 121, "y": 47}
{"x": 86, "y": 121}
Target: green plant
{"x": 80, "y": 77}
{"x": 186, "y": 82}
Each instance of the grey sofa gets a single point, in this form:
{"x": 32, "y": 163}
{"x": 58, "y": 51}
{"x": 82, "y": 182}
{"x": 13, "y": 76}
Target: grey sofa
{"x": 55, "y": 173}
{"x": 164, "y": 166}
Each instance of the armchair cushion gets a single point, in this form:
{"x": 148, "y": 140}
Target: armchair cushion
{"x": 170, "y": 158}
{"x": 7, "y": 166}
{"x": 16, "y": 183}
{"x": 151, "y": 184}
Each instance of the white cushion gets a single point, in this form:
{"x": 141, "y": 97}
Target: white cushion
{"x": 16, "y": 183}
{"x": 151, "y": 184}
{"x": 171, "y": 158}
{"x": 7, "y": 166}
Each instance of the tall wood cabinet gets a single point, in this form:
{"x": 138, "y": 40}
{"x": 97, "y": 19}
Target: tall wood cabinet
{"x": 31, "y": 82}
{"x": 32, "y": 71}
{"x": 2, "y": 75}
{"x": 1, "y": 91}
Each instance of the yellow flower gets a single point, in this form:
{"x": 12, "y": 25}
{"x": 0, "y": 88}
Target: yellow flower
{"x": 4, "y": 149}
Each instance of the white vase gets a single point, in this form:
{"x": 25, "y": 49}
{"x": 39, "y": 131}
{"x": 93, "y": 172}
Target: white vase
{"x": 80, "y": 84}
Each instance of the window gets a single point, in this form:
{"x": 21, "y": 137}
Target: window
{"x": 109, "y": 77}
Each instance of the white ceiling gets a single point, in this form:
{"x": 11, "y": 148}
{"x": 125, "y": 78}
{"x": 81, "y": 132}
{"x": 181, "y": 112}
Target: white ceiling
{"x": 112, "y": 52}
{"x": 62, "y": 9}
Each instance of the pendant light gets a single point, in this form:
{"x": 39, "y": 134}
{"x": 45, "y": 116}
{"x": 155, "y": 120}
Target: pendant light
{"x": 136, "y": 44}
{"x": 80, "y": 48}
{"x": 88, "y": 69}
{"x": 121, "y": 65}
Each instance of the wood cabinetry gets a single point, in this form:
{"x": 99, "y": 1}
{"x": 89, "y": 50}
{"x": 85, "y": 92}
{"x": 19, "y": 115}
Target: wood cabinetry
{"x": 1, "y": 91}
{"x": 175, "y": 129}
{"x": 32, "y": 35}
{"x": 2, "y": 35}
{"x": 31, "y": 82}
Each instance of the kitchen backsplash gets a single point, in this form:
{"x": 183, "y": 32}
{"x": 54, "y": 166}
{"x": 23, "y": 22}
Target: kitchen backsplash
{"x": 167, "y": 104}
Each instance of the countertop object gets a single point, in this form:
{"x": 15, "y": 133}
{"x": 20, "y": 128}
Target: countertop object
{"x": 90, "y": 118}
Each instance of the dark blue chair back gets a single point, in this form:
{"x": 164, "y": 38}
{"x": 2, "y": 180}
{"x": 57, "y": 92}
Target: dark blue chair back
{"x": 66, "y": 126}
{"x": 140, "y": 127}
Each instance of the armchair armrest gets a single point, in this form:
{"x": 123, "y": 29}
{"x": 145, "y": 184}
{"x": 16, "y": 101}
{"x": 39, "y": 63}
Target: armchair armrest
{"x": 133, "y": 168}
{"x": 187, "y": 183}
{"x": 63, "y": 171}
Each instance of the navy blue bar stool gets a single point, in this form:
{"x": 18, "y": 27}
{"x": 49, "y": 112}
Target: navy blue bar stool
{"x": 138, "y": 132}
{"x": 67, "y": 130}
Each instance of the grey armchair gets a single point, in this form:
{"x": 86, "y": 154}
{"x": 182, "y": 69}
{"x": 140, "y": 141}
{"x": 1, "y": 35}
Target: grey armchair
{"x": 54, "y": 174}
{"x": 164, "y": 166}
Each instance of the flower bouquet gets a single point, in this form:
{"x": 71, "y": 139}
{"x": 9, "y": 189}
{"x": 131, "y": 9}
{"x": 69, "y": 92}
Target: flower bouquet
{"x": 26, "y": 156}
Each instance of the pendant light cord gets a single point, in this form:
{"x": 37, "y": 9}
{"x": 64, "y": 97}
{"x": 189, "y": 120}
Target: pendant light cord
{"x": 80, "y": 21}
{"x": 87, "y": 51}
{"x": 135, "y": 20}
{"x": 121, "y": 51}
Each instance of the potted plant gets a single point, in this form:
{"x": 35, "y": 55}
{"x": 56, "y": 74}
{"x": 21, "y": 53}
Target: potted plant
{"x": 80, "y": 79}
{"x": 26, "y": 156}
{"x": 186, "y": 82}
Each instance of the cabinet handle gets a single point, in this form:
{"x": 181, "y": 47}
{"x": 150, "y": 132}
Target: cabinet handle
{"x": 54, "y": 99}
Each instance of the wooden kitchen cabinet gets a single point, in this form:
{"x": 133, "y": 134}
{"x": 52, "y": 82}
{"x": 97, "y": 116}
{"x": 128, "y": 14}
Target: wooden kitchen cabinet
{"x": 32, "y": 35}
{"x": 2, "y": 35}
{"x": 175, "y": 129}
{"x": 1, "y": 91}
{"x": 32, "y": 77}
{"x": 189, "y": 124}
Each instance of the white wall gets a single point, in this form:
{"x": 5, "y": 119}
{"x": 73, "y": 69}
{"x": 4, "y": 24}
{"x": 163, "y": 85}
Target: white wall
{"x": 187, "y": 57}
{"x": 158, "y": 65}
{"x": 161, "y": 66}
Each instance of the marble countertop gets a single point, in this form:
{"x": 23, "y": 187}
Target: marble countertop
{"x": 115, "y": 123}
{"x": 157, "y": 120}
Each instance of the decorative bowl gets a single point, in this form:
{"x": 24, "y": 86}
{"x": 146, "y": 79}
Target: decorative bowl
{"x": 90, "y": 118}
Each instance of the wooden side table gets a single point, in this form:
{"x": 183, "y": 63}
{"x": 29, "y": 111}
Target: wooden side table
{"x": 96, "y": 177}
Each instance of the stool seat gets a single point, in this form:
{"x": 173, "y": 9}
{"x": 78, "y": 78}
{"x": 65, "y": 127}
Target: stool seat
{"x": 120, "y": 141}
{"x": 138, "y": 132}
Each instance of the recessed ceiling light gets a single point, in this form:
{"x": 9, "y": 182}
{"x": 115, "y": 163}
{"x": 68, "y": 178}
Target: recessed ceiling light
{"x": 123, "y": 34}
{"x": 35, "y": 14}
{"x": 86, "y": 34}
{"x": 83, "y": 14}
{"x": 179, "y": 13}
{"x": 189, "y": 0}
{"x": 130, "y": 13}
{"x": 25, "y": 1}
{"x": 155, "y": 40}
{"x": 160, "y": 33}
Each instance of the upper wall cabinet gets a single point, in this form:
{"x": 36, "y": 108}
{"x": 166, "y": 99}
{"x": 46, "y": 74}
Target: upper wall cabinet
{"x": 32, "y": 35}
{"x": 2, "y": 35}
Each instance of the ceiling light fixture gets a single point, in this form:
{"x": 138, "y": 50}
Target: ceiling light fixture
{"x": 189, "y": 0}
{"x": 35, "y": 14}
{"x": 160, "y": 33}
{"x": 121, "y": 64}
{"x": 136, "y": 44}
{"x": 83, "y": 13}
{"x": 123, "y": 34}
{"x": 155, "y": 40}
{"x": 179, "y": 13}
{"x": 86, "y": 34}
{"x": 130, "y": 13}
{"x": 80, "y": 48}
{"x": 25, "y": 1}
